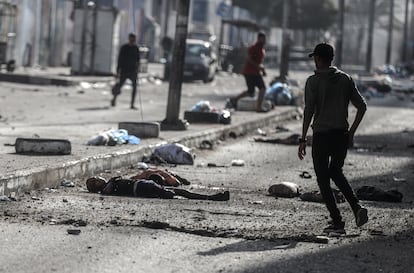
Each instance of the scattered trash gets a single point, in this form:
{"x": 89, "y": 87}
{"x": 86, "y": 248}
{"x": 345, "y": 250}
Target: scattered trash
{"x": 76, "y": 223}
{"x": 204, "y": 112}
{"x": 214, "y": 165}
{"x": 74, "y": 231}
{"x": 376, "y": 232}
{"x": 305, "y": 175}
{"x": 399, "y": 179}
{"x": 85, "y": 85}
{"x": 280, "y": 129}
{"x": 261, "y": 132}
{"x": 175, "y": 153}
{"x": 316, "y": 196}
{"x": 35, "y": 198}
{"x": 12, "y": 196}
{"x": 206, "y": 145}
{"x": 238, "y": 162}
{"x": 225, "y": 117}
{"x": 284, "y": 189}
{"x": 113, "y": 137}
{"x": 371, "y": 193}
{"x": 4, "y": 198}
{"x": 202, "y": 106}
{"x": 67, "y": 183}
{"x": 142, "y": 166}
{"x": 260, "y": 202}
{"x": 279, "y": 94}
{"x": 64, "y": 200}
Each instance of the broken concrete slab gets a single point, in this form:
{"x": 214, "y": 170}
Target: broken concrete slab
{"x": 141, "y": 129}
{"x": 43, "y": 146}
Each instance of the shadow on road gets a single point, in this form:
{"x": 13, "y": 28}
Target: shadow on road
{"x": 389, "y": 253}
{"x": 250, "y": 246}
{"x": 94, "y": 108}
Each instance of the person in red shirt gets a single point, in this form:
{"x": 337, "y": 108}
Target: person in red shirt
{"x": 253, "y": 71}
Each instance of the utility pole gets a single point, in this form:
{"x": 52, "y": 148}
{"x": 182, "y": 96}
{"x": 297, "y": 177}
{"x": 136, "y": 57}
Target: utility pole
{"x": 284, "y": 59}
{"x": 368, "y": 63}
{"x": 405, "y": 34}
{"x": 172, "y": 121}
{"x": 390, "y": 29}
{"x": 340, "y": 38}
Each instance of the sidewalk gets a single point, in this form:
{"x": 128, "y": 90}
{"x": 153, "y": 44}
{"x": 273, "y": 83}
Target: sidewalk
{"x": 78, "y": 114}
{"x": 61, "y": 76}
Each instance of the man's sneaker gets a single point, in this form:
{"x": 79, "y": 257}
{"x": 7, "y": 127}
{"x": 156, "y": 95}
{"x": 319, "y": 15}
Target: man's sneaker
{"x": 361, "y": 216}
{"x": 338, "y": 228}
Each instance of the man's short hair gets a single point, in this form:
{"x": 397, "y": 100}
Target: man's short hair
{"x": 260, "y": 35}
{"x": 132, "y": 35}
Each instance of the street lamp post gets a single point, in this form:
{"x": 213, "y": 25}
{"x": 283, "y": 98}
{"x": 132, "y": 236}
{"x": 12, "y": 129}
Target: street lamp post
{"x": 172, "y": 121}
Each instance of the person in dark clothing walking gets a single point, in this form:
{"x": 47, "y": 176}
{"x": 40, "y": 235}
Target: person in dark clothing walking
{"x": 128, "y": 65}
{"x": 327, "y": 96}
{"x": 253, "y": 71}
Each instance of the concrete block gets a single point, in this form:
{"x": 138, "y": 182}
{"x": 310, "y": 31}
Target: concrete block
{"x": 249, "y": 104}
{"x": 201, "y": 117}
{"x": 141, "y": 129}
{"x": 43, "y": 146}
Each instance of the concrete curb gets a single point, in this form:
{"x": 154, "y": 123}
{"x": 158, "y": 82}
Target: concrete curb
{"x": 38, "y": 178}
{"x": 37, "y": 80}
{"x": 44, "y": 80}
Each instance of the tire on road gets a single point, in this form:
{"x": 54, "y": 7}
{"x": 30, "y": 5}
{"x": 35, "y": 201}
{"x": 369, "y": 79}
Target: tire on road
{"x": 43, "y": 146}
{"x": 141, "y": 129}
{"x": 201, "y": 117}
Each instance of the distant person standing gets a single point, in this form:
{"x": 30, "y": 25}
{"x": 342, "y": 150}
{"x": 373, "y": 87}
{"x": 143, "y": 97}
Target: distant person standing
{"x": 327, "y": 96}
{"x": 128, "y": 65}
{"x": 253, "y": 70}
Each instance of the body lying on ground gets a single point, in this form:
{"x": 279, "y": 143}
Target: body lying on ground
{"x": 145, "y": 188}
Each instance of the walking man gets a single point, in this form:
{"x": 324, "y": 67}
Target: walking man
{"x": 128, "y": 65}
{"x": 327, "y": 96}
{"x": 253, "y": 71}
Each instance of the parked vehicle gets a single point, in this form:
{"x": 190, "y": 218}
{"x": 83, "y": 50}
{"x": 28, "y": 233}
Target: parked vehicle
{"x": 200, "y": 62}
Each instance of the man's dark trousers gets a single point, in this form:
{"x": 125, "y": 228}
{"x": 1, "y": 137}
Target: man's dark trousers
{"x": 132, "y": 76}
{"x": 329, "y": 150}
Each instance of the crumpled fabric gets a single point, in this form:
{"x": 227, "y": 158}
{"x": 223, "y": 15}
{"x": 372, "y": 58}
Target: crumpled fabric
{"x": 174, "y": 153}
{"x": 371, "y": 193}
{"x": 279, "y": 94}
{"x": 202, "y": 106}
{"x": 113, "y": 137}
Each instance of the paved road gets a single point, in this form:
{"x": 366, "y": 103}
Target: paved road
{"x": 250, "y": 233}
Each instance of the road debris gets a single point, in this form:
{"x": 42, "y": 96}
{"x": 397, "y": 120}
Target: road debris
{"x": 305, "y": 175}
{"x": 238, "y": 162}
{"x": 73, "y": 231}
{"x": 284, "y": 189}
{"x": 371, "y": 193}
{"x": 174, "y": 153}
{"x": 67, "y": 183}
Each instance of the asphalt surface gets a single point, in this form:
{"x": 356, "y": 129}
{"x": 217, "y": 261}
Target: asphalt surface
{"x": 81, "y": 112}
{"x": 252, "y": 232}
